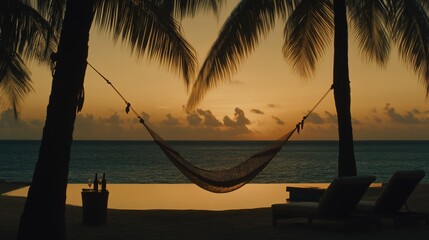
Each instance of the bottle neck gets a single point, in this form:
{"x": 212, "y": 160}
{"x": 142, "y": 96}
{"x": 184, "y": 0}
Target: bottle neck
{"x": 96, "y": 183}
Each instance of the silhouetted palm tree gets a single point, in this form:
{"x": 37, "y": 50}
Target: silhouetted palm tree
{"x": 148, "y": 27}
{"x": 308, "y": 28}
{"x": 23, "y": 37}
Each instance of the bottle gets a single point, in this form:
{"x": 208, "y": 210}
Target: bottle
{"x": 96, "y": 183}
{"x": 103, "y": 183}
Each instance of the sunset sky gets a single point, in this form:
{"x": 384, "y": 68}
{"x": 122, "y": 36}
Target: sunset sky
{"x": 264, "y": 99}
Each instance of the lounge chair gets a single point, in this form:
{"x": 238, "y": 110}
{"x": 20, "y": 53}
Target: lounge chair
{"x": 394, "y": 196}
{"x": 338, "y": 203}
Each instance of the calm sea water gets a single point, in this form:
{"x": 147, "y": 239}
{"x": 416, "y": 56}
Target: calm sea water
{"x": 143, "y": 161}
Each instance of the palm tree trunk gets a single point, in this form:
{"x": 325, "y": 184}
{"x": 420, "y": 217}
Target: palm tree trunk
{"x": 44, "y": 212}
{"x": 346, "y": 158}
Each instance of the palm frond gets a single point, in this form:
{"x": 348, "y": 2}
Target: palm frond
{"x": 23, "y": 30}
{"x": 24, "y": 34}
{"x": 307, "y": 33}
{"x": 240, "y": 34}
{"x": 53, "y": 11}
{"x": 36, "y": 35}
{"x": 15, "y": 82}
{"x": 148, "y": 31}
{"x": 411, "y": 33}
{"x": 370, "y": 23}
{"x": 183, "y": 8}
{"x": 425, "y": 5}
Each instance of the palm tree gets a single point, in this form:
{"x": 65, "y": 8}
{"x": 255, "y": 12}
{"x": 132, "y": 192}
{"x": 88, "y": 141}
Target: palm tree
{"x": 308, "y": 28}
{"x": 23, "y": 37}
{"x": 149, "y": 27}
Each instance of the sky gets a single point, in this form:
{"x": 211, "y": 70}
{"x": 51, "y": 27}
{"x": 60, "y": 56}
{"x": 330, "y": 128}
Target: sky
{"x": 262, "y": 101}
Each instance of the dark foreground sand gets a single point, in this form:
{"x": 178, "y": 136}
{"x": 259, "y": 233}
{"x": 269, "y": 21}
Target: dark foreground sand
{"x": 201, "y": 225}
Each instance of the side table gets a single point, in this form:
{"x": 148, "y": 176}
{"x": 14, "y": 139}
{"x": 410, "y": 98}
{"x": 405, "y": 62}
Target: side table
{"x": 94, "y": 205}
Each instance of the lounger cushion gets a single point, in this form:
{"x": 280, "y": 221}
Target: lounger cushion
{"x": 397, "y": 191}
{"x": 339, "y": 200}
{"x": 343, "y": 194}
{"x": 366, "y": 206}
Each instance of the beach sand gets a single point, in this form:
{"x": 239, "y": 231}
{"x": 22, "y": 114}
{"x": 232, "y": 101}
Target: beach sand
{"x": 185, "y": 223}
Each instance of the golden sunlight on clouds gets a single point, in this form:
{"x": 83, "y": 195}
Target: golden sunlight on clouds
{"x": 383, "y": 122}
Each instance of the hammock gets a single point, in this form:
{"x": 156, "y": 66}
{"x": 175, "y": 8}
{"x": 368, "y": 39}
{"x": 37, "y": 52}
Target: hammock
{"x": 221, "y": 181}
{"x": 218, "y": 181}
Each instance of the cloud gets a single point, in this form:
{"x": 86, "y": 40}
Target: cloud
{"x": 203, "y": 124}
{"x": 113, "y": 120}
{"x": 145, "y": 116}
{"x": 374, "y": 118}
{"x": 278, "y": 120}
{"x": 239, "y": 119}
{"x": 257, "y": 111}
{"x": 416, "y": 111}
{"x": 273, "y": 105}
{"x": 209, "y": 119}
{"x": 194, "y": 119}
{"x": 314, "y": 118}
{"x": 12, "y": 128}
{"x": 238, "y": 124}
{"x": 170, "y": 121}
{"x": 8, "y": 120}
{"x": 407, "y": 118}
{"x": 112, "y": 127}
{"x": 86, "y": 123}
{"x": 377, "y": 120}
{"x": 228, "y": 122}
{"x": 331, "y": 118}
{"x": 355, "y": 121}
{"x": 328, "y": 118}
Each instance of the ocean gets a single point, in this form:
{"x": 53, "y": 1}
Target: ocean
{"x": 144, "y": 162}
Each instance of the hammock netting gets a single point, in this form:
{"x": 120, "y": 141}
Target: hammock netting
{"x": 218, "y": 181}
{"x": 222, "y": 181}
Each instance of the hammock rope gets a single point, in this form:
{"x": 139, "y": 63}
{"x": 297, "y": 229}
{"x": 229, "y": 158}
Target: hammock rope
{"x": 218, "y": 181}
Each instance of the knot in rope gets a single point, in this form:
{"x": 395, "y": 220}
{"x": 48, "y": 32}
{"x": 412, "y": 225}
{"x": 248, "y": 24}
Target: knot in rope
{"x": 127, "y": 109}
{"x": 300, "y": 125}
